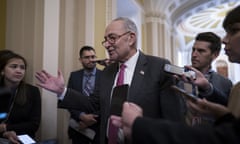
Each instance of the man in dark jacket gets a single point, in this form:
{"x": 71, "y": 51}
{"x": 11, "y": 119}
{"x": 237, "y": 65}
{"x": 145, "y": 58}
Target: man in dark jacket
{"x": 155, "y": 131}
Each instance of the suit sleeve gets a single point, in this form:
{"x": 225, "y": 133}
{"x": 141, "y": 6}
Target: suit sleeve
{"x": 220, "y": 96}
{"x": 221, "y": 88}
{"x": 147, "y": 131}
{"x": 170, "y": 101}
{"x": 76, "y": 100}
{"x": 74, "y": 113}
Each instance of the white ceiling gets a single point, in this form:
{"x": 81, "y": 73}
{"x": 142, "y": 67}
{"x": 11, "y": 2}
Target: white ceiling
{"x": 180, "y": 13}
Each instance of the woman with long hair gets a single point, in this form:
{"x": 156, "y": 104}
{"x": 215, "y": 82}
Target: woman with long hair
{"x": 24, "y": 108}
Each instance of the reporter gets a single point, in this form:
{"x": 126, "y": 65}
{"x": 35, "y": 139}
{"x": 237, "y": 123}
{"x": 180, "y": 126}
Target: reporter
{"x": 24, "y": 108}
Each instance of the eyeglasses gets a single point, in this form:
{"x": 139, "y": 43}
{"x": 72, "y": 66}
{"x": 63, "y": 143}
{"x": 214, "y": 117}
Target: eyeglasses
{"x": 112, "y": 38}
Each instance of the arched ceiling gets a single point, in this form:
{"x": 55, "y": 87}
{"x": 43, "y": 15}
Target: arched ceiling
{"x": 209, "y": 19}
{"x": 189, "y": 17}
{"x": 175, "y": 11}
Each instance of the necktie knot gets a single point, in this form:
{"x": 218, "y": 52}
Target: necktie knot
{"x": 88, "y": 89}
{"x": 88, "y": 75}
{"x": 122, "y": 66}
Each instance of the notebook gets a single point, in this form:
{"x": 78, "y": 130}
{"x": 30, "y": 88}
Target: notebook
{"x": 119, "y": 96}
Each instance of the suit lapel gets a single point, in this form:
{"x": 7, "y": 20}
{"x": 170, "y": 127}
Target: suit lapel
{"x": 108, "y": 81}
{"x": 78, "y": 80}
{"x": 138, "y": 76}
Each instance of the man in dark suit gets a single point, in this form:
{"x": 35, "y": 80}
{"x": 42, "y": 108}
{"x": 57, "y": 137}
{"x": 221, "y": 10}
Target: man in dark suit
{"x": 84, "y": 81}
{"x": 149, "y": 84}
{"x": 226, "y": 129}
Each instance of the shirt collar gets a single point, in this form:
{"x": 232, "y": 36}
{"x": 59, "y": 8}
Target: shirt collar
{"x": 130, "y": 63}
{"x": 93, "y": 72}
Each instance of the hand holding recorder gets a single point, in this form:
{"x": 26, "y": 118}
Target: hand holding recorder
{"x": 180, "y": 71}
{"x": 190, "y": 75}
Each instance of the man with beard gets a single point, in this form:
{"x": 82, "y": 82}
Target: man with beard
{"x": 84, "y": 80}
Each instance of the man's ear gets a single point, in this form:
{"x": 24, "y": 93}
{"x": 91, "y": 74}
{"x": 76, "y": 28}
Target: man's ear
{"x": 80, "y": 60}
{"x": 133, "y": 39}
{"x": 215, "y": 55}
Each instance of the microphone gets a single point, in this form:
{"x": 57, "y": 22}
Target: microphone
{"x": 104, "y": 62}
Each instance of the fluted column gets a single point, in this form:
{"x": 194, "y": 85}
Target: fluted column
{"x": 158, "y": 36}
{"x": 157, "y": 31}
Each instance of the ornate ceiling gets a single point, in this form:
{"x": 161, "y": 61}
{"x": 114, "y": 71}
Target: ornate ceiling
{"x": 187, "y": 17}
{"x": 209, "y": 19}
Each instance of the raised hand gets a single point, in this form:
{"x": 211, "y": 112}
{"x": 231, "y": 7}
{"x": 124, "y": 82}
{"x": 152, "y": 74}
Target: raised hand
{"x": 200, "y": 80}
{"x": 49, "y": 82}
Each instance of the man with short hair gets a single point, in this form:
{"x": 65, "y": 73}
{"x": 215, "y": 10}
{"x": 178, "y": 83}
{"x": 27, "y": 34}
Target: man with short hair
{"x": 205, "y": 50}
{"x": 84, "y": 81}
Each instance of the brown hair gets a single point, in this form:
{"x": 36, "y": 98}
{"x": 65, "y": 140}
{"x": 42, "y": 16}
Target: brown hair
{"x": 20, "y": 94}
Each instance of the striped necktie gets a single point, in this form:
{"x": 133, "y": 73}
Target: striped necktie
{"x": 87, "y": 90}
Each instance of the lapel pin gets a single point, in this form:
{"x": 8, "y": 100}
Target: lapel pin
{"x": 142, "y": 72}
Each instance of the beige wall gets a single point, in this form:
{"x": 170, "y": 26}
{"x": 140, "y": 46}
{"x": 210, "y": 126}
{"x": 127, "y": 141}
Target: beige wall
{"x": 100, "y": 23}
{"x": 2, "y": 23}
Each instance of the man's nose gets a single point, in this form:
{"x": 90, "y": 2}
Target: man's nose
{"x": 194, "y": 53}
{"x": 225, "y": 39}
{"x": 107, "y": 45}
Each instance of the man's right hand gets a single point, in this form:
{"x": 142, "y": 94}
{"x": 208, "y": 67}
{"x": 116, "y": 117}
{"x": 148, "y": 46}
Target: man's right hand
{"x": 51, "y": 83}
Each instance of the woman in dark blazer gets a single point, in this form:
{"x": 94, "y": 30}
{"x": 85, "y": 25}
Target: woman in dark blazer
{"x": 24, "y": 106}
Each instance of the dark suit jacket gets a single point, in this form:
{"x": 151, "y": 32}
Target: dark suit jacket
{"x": 152, "y": 131}
{"x": 75, "y": 82}
{"x": 221, "y": 89}
{"x": 150, "y": 88}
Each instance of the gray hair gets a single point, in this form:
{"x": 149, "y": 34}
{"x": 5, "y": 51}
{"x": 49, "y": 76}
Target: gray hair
{"x": 128, "y": 24}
